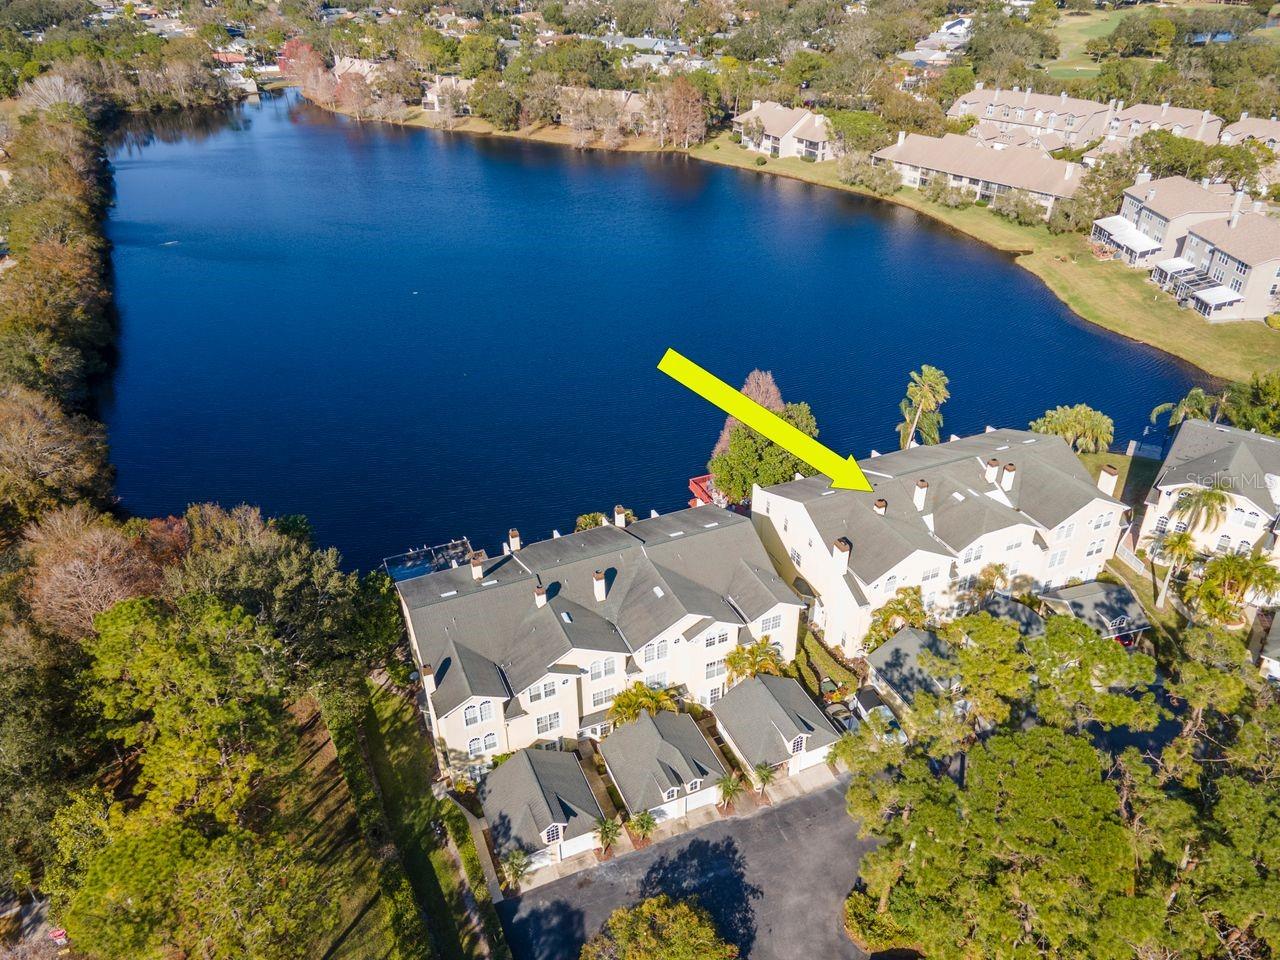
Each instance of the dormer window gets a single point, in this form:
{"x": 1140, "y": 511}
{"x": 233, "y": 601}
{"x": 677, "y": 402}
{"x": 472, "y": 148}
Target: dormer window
{"x": 695, "y": 785}
{"x": 553, "y": 833}
{"x": 797, "y": 745}
{"x": 671, "y": 794}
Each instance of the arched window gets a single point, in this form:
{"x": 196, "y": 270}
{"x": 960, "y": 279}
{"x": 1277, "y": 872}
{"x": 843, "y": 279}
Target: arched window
{"x": 491, "y": 741}
{"x": 471, "y": 716}
{"x": 671, "y": 794}
{"x": 553, "y": 833}
{"x": 797, "y": 745}
{"x": 1243, "y": 547}
{"x": 1224, "y": 542}
{"x": 486, "y": 711}
{"x": 473, "y": 747}
{"x": 1162, "y": 525}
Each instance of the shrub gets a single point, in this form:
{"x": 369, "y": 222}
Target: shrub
{"x": 1017, "y": 205}
{"x": 1273, "y": 321}
{"x": 761, "y": 161}
{"x": 735, "y": 137}
{"x": 943, "y": 194}
{"x": 858, "y": 170}
{"x": 808, "y": 159}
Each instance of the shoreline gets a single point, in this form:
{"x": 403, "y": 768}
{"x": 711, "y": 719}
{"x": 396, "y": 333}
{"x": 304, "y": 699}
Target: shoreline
{"x": 1106, "y": 294}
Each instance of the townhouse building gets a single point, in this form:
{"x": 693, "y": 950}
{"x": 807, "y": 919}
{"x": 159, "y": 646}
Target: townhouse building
{"x": 1265, "y": 131}
{"x": 778, "y": 131}
{"x": 935, "y": 518}
{"x": 448, "y": 95}
{"x": 530, "y": 648}
{"x": 1229, "y": 268}
{"x": 1077, "y": 121}
{"x": 1155, "y": 216}
{"x": 1244, "y": 464}
{"x": 1082, "y": 121}
{"x": 964, "y": 163}
{"x": 1129, "y": 123}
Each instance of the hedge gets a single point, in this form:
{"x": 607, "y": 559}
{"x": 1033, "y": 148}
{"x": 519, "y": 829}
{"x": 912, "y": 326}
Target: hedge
{"x": 341, "y": 710}
{"x": 455, "y": 822}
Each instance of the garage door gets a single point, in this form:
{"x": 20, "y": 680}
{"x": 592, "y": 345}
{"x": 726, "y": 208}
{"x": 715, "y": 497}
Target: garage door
{"x": 811, "y": 758}
{"x": 666, "y": 811}
{"x": 577, "y": 845}
{"x": 703, "y": 798}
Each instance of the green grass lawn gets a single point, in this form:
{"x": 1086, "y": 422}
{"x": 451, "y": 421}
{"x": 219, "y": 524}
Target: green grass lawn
{"x": 401, "y": 756}
{"x": 1075, "y": 30}
{"x": 1134, "y": 475}
{"x": 1106, "y": 293}
{"x": 320, "y": 815}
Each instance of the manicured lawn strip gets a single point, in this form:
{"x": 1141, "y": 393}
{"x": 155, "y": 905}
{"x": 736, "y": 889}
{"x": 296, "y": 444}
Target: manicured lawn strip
{"x": 343, "y": 715}
{"x": 822, "y": 658}
{"x": 1103, "y": 292}
{"x": 402, "y": 760}
{"x": 1134, "y": 475}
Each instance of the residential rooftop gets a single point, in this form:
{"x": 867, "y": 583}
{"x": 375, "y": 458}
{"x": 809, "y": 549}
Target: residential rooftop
{"x": 1023, "y": 168}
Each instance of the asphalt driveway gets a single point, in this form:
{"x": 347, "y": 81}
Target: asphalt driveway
{"x": 774, "y": 882}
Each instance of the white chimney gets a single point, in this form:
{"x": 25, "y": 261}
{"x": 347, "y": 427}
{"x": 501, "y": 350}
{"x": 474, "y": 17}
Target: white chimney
{"x": 1064, "y": 97}
{"x": 1164, "y": 108}
{"x": 1107, "y": 480}
{"x": 1006, "y": 479}
{"x": 1236, "y": 203}
{"x": 921, "y": 491}
{"x": 619, "y": 516}
{"x": 881, "y": 506}
{"x": 979, "y": 85}
{"x": 428, "y": 679}
{"x": 1144, "y": 176}
{"x": 597, "y": 581}
{"x": 1066, "y": 174}
{"x": 840, "y": 552}
{"x": 1244, "y": 114}
{"x": 540, "y": 597}
{"x": 477, "y": 567}
{"x": 1204, "y": 182}
{"x": 993, "y": 467}
{"x": 1119, "y": 106}
{"x": 513, "y": 539}
{"x": 902, "y": 136}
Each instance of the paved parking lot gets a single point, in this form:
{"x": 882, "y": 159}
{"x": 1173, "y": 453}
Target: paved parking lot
{"x": 774, "y": 882}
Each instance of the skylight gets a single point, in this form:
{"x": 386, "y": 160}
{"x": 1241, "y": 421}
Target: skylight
{"x": 487, "y": 583}
{"x": 713, "y": 523}
{"x": 657, "y": 592}
{"x": 449, "y": 593}
{"x": 677, "y": 533}
{"x": 564, "y": 615}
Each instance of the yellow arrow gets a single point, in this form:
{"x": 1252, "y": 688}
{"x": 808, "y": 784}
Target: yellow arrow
{"x": 844, "y": 472}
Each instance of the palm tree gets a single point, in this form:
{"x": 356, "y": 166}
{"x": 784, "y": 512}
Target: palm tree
{"x": 926, "y": 393}
{"x": 636, "y": 699}
{"x": 1178, "y": 550}
{"x": 643, "y": 824}
{"x": 607, "y": 832}
{"x": 1086, "y": 429}
{"x": 904, "y": 609}
{"x": 1212, "y": 603}
{"x": 1205, "y": 507}
{"x": 765, "y": 775}
{"x": 730, "y": 787}
{"x": 1237, "y": 575}
{"x": 1196, "y": 405}
{"x": 752, "y": 660}
{"x": 515, "y": 865}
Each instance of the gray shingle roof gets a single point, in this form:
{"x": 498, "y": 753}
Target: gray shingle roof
{"x": 1109, "y": 608}
{"x": 763, "y": 715}
{"x": 461, "y": 674}
{"x": 897, "y": 662}
{"x": 654, "y": 754}
{"x": 1030, "y": 623}
{"x": 1050, "y": 484}
{"x": 1202, "y": 452}
{"x": 532, "y": 790}
{"x": 703, "y": 561}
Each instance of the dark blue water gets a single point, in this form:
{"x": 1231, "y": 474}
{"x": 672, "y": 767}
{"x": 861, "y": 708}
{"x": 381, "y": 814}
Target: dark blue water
{"x": 410, "y": 336}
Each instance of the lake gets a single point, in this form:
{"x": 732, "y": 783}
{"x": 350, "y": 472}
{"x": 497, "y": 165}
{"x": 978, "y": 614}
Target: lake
{"x": 411, "y": 336}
